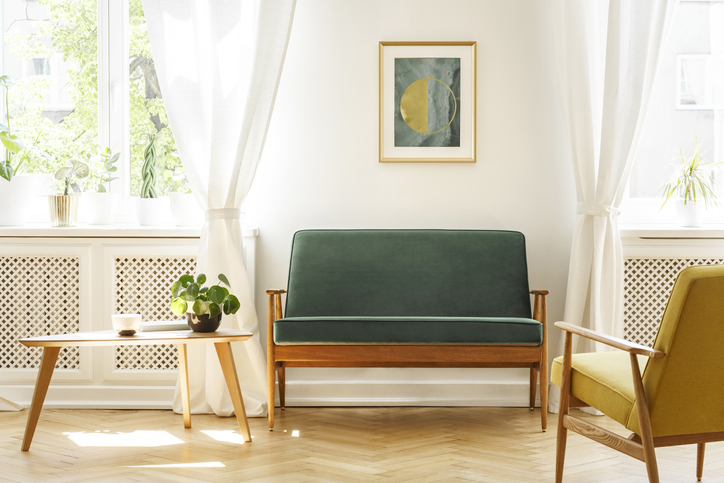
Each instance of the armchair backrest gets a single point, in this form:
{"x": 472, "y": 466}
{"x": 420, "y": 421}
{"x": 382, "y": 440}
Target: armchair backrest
{"x": 446, "y": 273}
{"x": 685, "y": 389}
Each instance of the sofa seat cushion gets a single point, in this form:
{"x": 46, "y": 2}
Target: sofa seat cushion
{"x": 602, "y": 380}
{"x": 408, "y": 330}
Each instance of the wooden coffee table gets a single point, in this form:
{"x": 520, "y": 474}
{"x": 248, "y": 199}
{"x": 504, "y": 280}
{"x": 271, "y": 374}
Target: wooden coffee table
{"x": 222, "y": 338}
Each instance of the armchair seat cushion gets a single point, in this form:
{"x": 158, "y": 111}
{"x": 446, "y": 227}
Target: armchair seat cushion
{"x": 602, "y": 380}
{"x": 407, "y": 330}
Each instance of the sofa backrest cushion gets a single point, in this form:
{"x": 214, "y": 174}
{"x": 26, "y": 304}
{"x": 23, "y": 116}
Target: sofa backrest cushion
{"x": 446, "y": 273}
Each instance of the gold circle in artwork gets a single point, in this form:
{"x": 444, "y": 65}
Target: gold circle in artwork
{"x": 414, "y": 106}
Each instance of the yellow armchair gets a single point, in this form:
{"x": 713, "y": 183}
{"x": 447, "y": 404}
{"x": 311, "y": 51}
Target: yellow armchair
{"x": 668, "y": 395}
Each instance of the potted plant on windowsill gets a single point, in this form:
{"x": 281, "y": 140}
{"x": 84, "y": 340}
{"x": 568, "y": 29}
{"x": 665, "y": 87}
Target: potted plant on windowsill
{"x": 203, "y": 305}
{"x": 64, "y": 208}
{"x": 16, "y": 191}
{"x": 692, "y": 185}
{"x": 185, "y": 211}
{"x": 149, "y": 209}
{"x": 100, "y": 204}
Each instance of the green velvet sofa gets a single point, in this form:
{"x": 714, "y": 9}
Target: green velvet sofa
{"x": 407, "y": 298}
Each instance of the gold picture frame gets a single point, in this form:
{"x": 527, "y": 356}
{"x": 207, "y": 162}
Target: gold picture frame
{"x": 427, "y": 102}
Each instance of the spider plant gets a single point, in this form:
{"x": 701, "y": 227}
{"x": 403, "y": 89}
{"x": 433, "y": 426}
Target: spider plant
{"x": 693, "y": 179}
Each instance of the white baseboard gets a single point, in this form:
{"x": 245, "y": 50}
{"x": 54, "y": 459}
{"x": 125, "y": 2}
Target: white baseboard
{"x": 407, "y": 393}
{"x": 298, "y": 393}
{"x": 94, "y": 396}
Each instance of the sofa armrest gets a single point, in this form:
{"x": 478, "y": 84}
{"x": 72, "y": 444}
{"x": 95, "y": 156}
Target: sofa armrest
{"x": 630, "y": 347}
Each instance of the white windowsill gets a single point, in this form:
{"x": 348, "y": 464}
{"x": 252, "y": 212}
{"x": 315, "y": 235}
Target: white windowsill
{"x": 670, "y": 230}
{"x": 129, "y": 230}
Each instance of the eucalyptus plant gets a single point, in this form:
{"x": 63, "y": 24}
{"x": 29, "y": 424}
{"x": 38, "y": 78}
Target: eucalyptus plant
{"x": 148, "y": 171}
{"x": 692, "y": 180}
{"x": 13, "y": 144}
{"x": 68, "y": 174}
{"x": 203, "y": 299}
{"x": 106, "y": 159}
{"x": 15, "y": 147}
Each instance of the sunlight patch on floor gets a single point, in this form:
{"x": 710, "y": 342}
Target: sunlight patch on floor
{"x": 226, "y": 436}
{"x": 142, "y": 439}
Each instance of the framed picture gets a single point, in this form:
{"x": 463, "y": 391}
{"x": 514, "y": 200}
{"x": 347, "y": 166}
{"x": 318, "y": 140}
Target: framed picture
{"x": 427, "y": 102}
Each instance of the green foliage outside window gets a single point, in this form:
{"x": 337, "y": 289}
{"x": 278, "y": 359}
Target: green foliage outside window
{"x": 71, "y": 33}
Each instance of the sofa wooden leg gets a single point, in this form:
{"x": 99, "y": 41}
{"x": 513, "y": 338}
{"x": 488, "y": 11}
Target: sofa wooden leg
{"x": 699, "y": 460}
{"x": 533, "y": 387}
{"x": 282, "y": 379}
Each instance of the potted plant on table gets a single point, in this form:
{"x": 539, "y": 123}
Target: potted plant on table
{"x": 202, "y": 304}
{"x": 16, "y": 191}
{"x": 64, "y": 208}
{"x": 100, "y": 204}
{"x": 149, "y": 209}
{"x": 692, "y": 185}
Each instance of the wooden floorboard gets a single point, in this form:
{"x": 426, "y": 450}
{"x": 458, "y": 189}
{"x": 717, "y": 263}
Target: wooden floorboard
{"x": 401, "y": 444}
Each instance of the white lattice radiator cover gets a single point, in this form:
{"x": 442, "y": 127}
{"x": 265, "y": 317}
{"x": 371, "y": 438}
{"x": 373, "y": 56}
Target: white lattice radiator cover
{"x": 41, "y": 296}
{"x": 142, "y": 285}
{"x": 647, "y": 285}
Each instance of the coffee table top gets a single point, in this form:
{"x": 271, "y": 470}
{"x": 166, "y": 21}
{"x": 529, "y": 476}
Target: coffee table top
{"x": 110, "y": 338}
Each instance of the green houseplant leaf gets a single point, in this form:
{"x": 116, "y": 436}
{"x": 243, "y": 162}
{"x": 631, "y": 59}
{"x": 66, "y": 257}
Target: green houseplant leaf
{"x": 214, "y": 310}
{"x": 216, "y": 294}
{"x": 179, "y": 306}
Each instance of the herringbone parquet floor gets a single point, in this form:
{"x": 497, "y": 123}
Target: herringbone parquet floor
{"x": 409, "y": 444}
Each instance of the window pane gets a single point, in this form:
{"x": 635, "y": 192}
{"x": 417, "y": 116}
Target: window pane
{"x": 686, "y": 100}
{"x": 148, "y": 115}
{"x": 50, "y": 51}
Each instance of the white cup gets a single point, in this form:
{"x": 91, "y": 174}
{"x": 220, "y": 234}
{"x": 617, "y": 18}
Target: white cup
{"x": 126, "y": 324}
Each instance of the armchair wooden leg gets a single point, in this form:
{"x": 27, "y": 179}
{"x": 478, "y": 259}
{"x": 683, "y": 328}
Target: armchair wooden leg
{"x": 642, "y": 410}
{"x": 544, "y": 395}
{"x": 699, "y": 460}
{"x": 282, "y": 380}
{"x": 270, "y": 385}
{"x": 533, "y": 384}
{"x": 563, "y": 407}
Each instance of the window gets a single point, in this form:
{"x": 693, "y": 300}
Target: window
{"x": 687, "y": 102}
{"x": 84, "y": 80}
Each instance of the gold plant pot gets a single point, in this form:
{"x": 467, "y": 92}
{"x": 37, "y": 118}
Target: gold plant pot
{"x": 63, "y": 210}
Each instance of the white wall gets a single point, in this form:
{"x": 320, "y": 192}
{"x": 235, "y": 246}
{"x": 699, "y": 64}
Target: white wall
{"x": 320, "y": 168}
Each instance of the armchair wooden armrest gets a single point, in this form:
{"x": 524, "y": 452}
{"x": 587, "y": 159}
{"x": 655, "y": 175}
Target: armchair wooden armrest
{"x": 624, "y": 345}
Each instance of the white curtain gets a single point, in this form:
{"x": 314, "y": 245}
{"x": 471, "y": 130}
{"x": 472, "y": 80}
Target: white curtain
{"x": 608, "y": 53}
{"x": 219, "y": 64}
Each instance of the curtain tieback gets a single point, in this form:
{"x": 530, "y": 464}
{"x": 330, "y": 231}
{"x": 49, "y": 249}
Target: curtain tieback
{"x": 223, "y": 214}
{"x": 596, "y": 209}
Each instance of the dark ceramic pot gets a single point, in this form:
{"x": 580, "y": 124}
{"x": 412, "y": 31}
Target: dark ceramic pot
{"x": 202, "y": 323}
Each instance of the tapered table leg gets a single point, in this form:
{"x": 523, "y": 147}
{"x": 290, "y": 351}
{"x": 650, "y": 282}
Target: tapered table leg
{"x": 47, "y": 364}
{"x": 226, "y": 358}
{"x": 183, "y": 368}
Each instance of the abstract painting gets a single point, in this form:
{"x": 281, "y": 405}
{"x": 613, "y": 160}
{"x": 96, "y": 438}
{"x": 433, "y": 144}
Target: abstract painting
{"x": 427, "y": 101}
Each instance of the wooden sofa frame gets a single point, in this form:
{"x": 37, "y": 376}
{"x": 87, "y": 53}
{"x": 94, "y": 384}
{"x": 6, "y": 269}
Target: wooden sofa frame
{"x": 279, "y": 357}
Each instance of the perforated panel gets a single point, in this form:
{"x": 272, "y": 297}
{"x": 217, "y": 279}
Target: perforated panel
{"x": 39, "y": 296}
{"x": 142, "y": 285}
{"x": 647, "y": 285}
